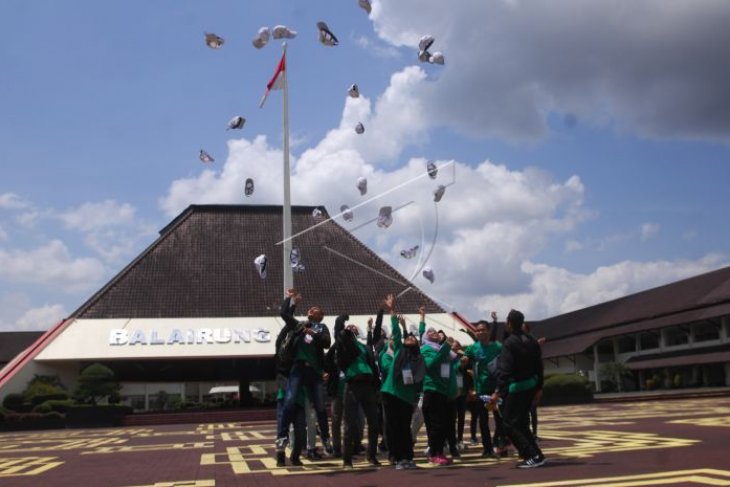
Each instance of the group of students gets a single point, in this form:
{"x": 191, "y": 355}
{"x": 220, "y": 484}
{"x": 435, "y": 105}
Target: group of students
{"x": 400, "y": 380}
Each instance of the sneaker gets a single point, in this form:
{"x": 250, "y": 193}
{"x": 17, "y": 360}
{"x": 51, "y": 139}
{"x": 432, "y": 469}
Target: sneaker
{"x": 313, "y": 454}
{"x": 473, "y": 441}
{"x": 533, "y": 462}
{"x": 455, "y": 453}
{"x": 328, "y": 446}
{"x": 446, "y": 460}
{"x": 488, "y": 453}
{"x": 460, "y": 446}
{"x": 296, "y": 462}
{"x": 373, "y": 461}
{"x": 280, "y": 459}
{"x": 281, "y": 443}
{"x": 410, "y": 464}
{"x": 401, "y": 464}
{"x": 427, "y": 451}
{"x": 438, "y": 460}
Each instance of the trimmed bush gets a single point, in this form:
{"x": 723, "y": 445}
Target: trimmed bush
{"x": 60, "y": 406}
{"x": 566, "y": 389}
{"x": 13, "y": 401}
{"x": 96, "y": 382}
{"x": 42, "y": 408}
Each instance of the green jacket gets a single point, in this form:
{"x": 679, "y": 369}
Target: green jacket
{"x": 393, "y": 384}
{"x": 435, "y": 359}
{"x": 479, "y": 356}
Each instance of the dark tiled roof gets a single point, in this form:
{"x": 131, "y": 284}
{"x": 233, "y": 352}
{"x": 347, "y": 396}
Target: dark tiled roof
{"x": 202, "y": 266}
{"x": 14, "y": 342}
{"x": 700, "y": 297}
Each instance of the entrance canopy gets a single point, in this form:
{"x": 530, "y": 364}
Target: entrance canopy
{"x": 179, "y": 338}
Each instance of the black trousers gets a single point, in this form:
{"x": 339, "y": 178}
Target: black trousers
{"x": 360, "y": 394}
{"x": 460, "y": 417}
{"x": 398, "y": 427}
{"x": 436, "y": 415}
{"x": 515, "y": 414}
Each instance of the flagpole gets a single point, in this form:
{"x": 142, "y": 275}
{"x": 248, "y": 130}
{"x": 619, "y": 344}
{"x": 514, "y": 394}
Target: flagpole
{"x": 288, "y": 271}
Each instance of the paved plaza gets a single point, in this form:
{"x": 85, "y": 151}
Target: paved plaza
{"x": 670, "y": 442}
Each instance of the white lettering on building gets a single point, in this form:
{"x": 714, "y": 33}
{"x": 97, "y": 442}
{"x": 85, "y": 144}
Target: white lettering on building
{"x": 201, "y": 336}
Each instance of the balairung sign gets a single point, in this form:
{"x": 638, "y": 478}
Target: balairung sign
{"x": 178, "y": 336}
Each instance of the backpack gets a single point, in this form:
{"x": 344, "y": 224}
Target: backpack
{"x": 288, "y": 349}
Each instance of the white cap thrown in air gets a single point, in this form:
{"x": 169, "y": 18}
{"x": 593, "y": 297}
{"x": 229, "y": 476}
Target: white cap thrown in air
{"x": 385, "y": 217}
{"x": 282, "y": 32}
{"x": 213, "y": 41}
{"x": 261, "y": 263}
{"x": 438, "y": 193}
{"x": 362, "y": 185}
{"x": 428, "y": 274}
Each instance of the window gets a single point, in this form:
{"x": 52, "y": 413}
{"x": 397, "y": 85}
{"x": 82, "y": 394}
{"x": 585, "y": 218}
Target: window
{"x": 676, "y": 335}
{"x": 648, "y": 340}
{"x": 707, "y": 330}
{"x": 627, "y": 344}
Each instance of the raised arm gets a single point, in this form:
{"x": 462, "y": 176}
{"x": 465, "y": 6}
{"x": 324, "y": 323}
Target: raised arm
{"x": 288, "y": 305}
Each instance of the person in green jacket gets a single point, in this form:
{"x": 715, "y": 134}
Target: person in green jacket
{"x": 403, "y": 374}
{"x": 438, "y": 358}
{"x": 482, "y": 356}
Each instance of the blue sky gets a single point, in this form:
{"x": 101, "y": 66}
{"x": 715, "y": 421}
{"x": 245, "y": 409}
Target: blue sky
{"x": 589, "y": 140}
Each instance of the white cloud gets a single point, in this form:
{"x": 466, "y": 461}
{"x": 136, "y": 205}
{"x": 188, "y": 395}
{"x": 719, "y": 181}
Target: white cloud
{"x": 648, "y": 231}
{"x": 41, "y": 319}
{"x": 554, "y": 291}
{"x": 92, "y": 216}
{"x": 17, "y": 313}
{"x": 509, "y": 64}
{"x": 11, "y": 201}
{"x": 51, "y": 265}
{"x": 377, "y": 48}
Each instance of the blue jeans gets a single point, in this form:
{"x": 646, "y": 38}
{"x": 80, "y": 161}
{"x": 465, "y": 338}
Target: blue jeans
{"x": 304, "y": 376}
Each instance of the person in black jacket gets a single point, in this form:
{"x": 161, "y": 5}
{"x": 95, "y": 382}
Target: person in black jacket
{"x": 519, "y": 383}
{"x": 357, "y": 363}
{"x": 304, "y": 346}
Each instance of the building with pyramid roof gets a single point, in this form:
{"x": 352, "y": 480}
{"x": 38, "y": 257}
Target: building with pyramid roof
{"x": 191, "y": 312}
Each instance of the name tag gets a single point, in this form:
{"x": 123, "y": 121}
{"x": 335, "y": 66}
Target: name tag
{"x": 445, "y": 370}
{"x": 407, "y": 376}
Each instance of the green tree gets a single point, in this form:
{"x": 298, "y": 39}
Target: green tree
{"x": 96, "y": 382}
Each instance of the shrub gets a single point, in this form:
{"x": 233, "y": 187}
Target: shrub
{"x": 96, "y": 382}
{"x": 42, "y": 408}
{"x": 13, "y": 401}
{"x": 566, "y": 389}
{"x": 60, "y": 405}
{"x": 41, "y": 388}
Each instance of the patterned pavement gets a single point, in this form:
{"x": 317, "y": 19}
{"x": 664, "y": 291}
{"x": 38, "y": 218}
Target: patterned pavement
{"x": 671, "y": 442}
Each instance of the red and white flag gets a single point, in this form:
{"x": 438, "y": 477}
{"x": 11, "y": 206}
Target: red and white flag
{"x": 277, "y": 81}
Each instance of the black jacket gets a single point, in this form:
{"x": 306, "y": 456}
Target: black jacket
{"x": 520, "y": 359}
{"x": 293, "y": 333}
